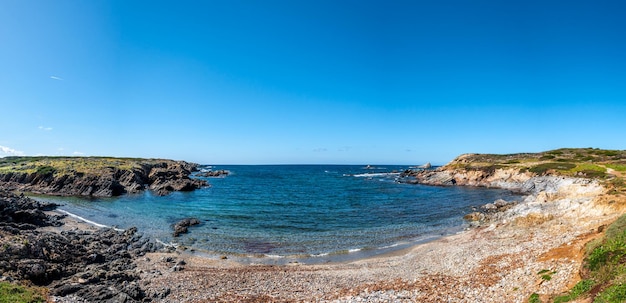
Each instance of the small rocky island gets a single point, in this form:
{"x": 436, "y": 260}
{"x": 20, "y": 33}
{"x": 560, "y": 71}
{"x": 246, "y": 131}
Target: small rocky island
{"x": 96, "y": 176}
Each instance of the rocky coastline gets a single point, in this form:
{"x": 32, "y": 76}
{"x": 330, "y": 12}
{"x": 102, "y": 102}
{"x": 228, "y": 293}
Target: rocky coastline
{"x": 499, "y": 260}
{"x": 97, "y": 177}
{"x": 76, "y": 265}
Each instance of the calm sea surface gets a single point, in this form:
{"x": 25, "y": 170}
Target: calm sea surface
{"x": 304, "y": 212}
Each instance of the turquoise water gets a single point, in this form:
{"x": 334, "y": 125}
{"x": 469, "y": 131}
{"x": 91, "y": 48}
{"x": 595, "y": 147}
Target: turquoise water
{"x": 297, "y": 211}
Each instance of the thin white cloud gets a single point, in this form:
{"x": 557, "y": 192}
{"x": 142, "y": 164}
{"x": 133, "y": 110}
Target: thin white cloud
{"x": 77, "y": 153}
{"x": 320, "y": 150}
{"x": 7, "y": 151}
{"x": 45, "y": 128}
{"x": 56, "y": 78}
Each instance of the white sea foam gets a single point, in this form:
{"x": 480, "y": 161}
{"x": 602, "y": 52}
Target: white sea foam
{"x": 166, "y": 244}
{"x": 389, "y": 246}
{"x": 369, "y": 175}
{"x": 87, "y": 220}
{"x": 320, "y": 255}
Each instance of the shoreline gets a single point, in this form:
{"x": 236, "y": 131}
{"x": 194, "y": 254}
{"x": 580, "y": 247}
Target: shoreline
{"x": 496, "y": 262}
{"x": 339, "y": 257}
{"x": 506, "y": 258}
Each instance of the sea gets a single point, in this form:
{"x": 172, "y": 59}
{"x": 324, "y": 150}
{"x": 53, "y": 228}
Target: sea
{"x": 276, "y": 214}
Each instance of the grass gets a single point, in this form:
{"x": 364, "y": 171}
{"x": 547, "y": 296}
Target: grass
{"x": 534, "y": 298}
{"x": 604, "y": 269}
{"x": 12, "y": 293}
{"x": 576, "y": 291}
{"x": 65, "y": 165}
{"x": 543, "y": 168}
{"x": 617, "y": 166}
{"x": 546, "y": 274}
{"x": 615, "y": 293}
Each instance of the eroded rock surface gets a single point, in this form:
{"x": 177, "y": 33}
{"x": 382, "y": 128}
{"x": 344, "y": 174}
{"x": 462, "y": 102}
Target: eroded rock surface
{"x": 96, "y": 266}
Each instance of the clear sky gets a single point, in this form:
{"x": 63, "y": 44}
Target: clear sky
{"x": 355, "y": 82}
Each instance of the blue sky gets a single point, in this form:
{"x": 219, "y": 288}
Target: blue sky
{"x": 356, "y": 82}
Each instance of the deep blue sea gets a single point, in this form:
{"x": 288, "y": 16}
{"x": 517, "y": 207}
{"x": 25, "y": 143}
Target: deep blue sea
{"x": 301, "y": 212}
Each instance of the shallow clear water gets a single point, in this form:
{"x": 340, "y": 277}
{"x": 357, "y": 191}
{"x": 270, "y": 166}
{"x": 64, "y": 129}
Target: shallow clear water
{"x": 296, "y": 210}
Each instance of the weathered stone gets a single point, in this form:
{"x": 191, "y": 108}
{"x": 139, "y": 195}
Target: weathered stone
{"x": 102, "y": 261}
{"x": 490, "y": 207}
{"x": 500, "y": 203}
{"x": 475, "y": 216}
{"x": 181, "y": 226}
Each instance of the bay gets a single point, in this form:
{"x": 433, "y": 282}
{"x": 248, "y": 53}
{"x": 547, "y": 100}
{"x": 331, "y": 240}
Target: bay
{"x": 296, "y": 212}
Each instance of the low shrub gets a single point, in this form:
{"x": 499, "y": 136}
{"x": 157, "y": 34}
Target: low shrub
{"x": 545, "y": 167}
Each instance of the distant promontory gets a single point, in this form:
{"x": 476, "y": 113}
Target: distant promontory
{"x": 96, "y": 176}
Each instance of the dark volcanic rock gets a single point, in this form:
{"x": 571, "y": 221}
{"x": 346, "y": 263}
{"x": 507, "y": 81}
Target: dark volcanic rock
{"x": 96, "y": 266}
{"x": 181, "y": 226}
{"x": 214, "y": 173}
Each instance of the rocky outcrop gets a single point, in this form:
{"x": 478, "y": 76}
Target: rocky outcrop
{"x": 181, "y": 227}
{"x": 506, "y": 178}
{"x": 94, "y": 266}
{"x": 214, "y": 173}
{"x": 163, "y": 177}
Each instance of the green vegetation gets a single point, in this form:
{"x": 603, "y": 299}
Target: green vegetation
{"x": 615, "y": 293}
{"x": 11, "y": 293}
{"x": 576, "y": 291}
{"x": 45, "y": 170}
{"x": 543, "y": 168}
{"x": 617, "y": 167}
{"x": 615, "y": 159}
{"x": 604, "y": 268}
{"x": 63, "y": 165}
{"x": 546, "y": 274}
{"x": 534, "y": 298}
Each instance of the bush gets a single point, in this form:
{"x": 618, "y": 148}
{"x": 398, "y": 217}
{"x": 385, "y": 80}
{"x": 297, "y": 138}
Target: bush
{"x": 46, "y": 170}
{"x": 543, "y": 168}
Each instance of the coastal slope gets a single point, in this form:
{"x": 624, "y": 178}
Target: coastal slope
{"x": 96, "y": 176}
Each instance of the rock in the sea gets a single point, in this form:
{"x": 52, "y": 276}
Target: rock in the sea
{"x": 214, "y": 173}
{"x": 181, "y": 226}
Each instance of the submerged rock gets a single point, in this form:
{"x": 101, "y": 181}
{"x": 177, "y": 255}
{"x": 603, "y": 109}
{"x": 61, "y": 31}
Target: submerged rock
{"x": 181, "y": 226}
